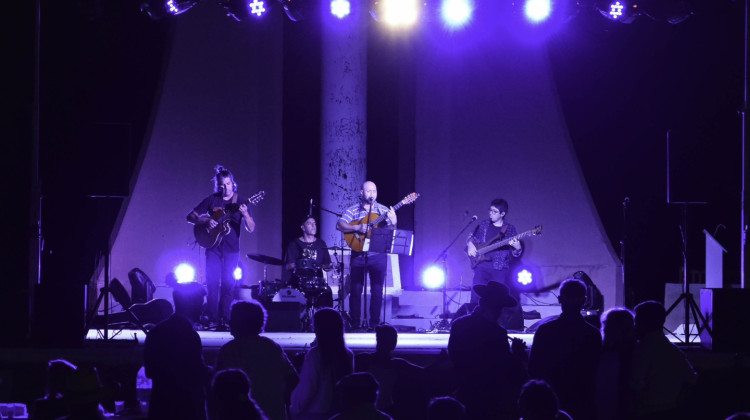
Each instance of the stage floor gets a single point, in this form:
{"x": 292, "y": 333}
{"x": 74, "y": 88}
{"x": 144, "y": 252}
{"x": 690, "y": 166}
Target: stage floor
{"x": 424, "y": 343}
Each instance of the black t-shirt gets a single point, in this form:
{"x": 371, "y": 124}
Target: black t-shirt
{"x": 316, "y": 251}
{"x": 215, "y": 203}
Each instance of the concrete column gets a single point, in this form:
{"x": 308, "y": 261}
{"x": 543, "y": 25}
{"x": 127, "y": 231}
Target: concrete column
{"x": 343, "y": 156}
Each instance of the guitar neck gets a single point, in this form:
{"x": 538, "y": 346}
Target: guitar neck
{"x": 384, "y": 215}
{"x": 506, "y": 241}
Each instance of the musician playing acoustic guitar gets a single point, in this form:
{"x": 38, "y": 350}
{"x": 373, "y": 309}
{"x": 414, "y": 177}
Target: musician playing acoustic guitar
{"x": 495, "y": 265}
{"x": 223, "y": 257}
{"x": 356, "y": 219}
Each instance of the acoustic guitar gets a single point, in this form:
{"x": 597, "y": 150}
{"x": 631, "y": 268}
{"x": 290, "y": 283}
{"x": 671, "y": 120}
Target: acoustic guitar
{"x": 209, "y": 238}
{"x": 493, "y": 244}
{"x": 356, "y": 240}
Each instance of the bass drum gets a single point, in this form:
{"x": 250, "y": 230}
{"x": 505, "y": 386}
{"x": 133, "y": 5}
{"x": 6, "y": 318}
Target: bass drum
{"x": 290, "y": 295}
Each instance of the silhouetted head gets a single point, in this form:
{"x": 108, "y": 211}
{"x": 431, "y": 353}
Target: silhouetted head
{"x": 188, "y": 299}
{"x": 358, "y": 388}
{"x": 247, "y": 318}
{"x": 649, "y": 317}
{"x": 538, "y": 401}
{"x": 572, "y": 295}
{"x": 618, "y": 328}
{"x": 328, "y": 327}
{"x": 231, "y": 385}
{"x": 58, "y": 372}
{"x": 446, "y": 408}
{"x": 386, "y": 338}
{"x": 494, "y": 296}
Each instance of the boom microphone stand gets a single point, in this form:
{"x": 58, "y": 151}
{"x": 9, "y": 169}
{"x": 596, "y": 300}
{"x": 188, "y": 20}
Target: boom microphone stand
{"x": 443, "y": 325}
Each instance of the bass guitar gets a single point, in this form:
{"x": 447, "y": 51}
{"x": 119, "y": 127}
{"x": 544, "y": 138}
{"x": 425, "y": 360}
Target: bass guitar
{"x": 356, "y": 240}
{"x": 208, "y": 237}
{"x": 492, "y": 244}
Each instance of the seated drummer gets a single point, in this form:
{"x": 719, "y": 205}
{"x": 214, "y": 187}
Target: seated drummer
{"x": 307, "y": 247}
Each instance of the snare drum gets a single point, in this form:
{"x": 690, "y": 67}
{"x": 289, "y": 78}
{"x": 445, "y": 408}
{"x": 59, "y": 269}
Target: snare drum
{"x": 268, "y": 289}
{"x": 305, "y": 267}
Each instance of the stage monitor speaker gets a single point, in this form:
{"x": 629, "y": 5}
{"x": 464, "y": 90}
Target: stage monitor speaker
{"x": 727, "y": 312}
{"x": 283, "y": 316}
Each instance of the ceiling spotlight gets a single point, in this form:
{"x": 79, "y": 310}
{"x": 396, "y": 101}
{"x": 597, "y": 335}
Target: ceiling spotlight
{"x": 537, "y": 11}
{"x": 341, "y": 8}
{"x": 456, "y": 13}
{"x": 242, "y": 9}
{"x": 623, "y": 11}
{"x": 396, "y": 13}
{"x": 157, "y": 9}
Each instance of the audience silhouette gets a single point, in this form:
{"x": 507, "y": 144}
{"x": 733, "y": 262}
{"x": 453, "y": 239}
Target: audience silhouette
{"x": 84, "y": 392}
{"x": 539, "y": 402}
{"x": 358, "y": 393}
{"x": 565, "y": 353}
{"x": 263, "y": 361}
{"x": 489, "y": 376}
{"x": 661, "y": 376}
{"x": 618, "y": 340}
{"x": 173, "y": 360}
{"x": 230, "y": 391}
{"x": 446, "y": 408}
{"x": 53, "y": 404}
{"x": 326, "y": 363}
{"x": 401, "y": 382}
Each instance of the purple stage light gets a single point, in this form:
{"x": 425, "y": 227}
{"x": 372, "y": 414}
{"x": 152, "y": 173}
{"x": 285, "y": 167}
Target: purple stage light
{"x": 257, "y": 7}
{"x": 341, "y": 8}
{"x": 537, "y": 11}
{"x": 185, "y": 273}
{"x": 615, "y": 10}
{"x": 237, "y": 274}
{"x": 524, "y": 277}
{"x": 456, "y": 13}
{"x": 433, "y": 277}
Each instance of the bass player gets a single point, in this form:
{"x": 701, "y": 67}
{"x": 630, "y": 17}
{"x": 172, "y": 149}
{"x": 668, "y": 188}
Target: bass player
{"x": 355, "y": 220}
{"x": 495, "y": 265}
{"x": 222, "y": 258}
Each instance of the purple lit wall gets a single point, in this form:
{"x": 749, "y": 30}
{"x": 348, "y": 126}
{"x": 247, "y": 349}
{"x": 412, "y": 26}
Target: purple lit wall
{"x": 220, "y": 104}
{"x": 489, "y": 125}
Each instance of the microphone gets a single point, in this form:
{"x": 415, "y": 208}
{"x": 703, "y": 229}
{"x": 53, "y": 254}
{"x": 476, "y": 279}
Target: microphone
{"x": 371, "y": 200}
{"x": 309, "y": 213}
{"x": 625, "y": 201}
{"x": 474, "y": 218}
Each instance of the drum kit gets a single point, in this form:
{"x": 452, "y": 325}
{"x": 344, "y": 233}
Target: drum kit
{"x": 306, "y": 286}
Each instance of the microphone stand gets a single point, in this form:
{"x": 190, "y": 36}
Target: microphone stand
{"x": 443, "y": 325}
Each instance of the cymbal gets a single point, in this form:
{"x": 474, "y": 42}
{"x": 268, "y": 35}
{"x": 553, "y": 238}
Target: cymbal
{"x": 265, "y": 259}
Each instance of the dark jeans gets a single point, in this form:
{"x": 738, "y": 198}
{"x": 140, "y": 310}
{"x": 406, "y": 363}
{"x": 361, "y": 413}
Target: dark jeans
{"x": 511, "y": 318}
{"x": 376, "y": 267}
{"x": 220, "y": 268}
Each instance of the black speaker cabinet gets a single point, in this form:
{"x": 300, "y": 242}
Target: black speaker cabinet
{"x": 283, "y": 316}
{"x": 727, "y": 313}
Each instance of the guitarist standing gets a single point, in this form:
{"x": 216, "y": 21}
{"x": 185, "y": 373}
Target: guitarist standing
{"x": 495, "y": 265}
{"x": 223, "y": 257}
{"x": 355, "y": 219}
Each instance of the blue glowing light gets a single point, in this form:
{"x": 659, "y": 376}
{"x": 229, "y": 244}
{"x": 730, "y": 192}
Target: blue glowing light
{"x": 237, "y": 274}
{"x": 185, "y": 273}
{"x": 433, "y": 277}
{"x": 341, "y": 8}
{"x": 456, "y": 13}
{"x": 524, "y": 277}
{"x": 257, "y": 7}
{"x": 537, "y": 11}
{"x": 615, "y": 10}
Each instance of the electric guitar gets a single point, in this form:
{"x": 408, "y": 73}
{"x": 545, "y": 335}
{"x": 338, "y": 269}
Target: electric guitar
{"x": 484, "y": 248}
{"x": 356, "y": 240}
{"x": 208, "y": 237}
